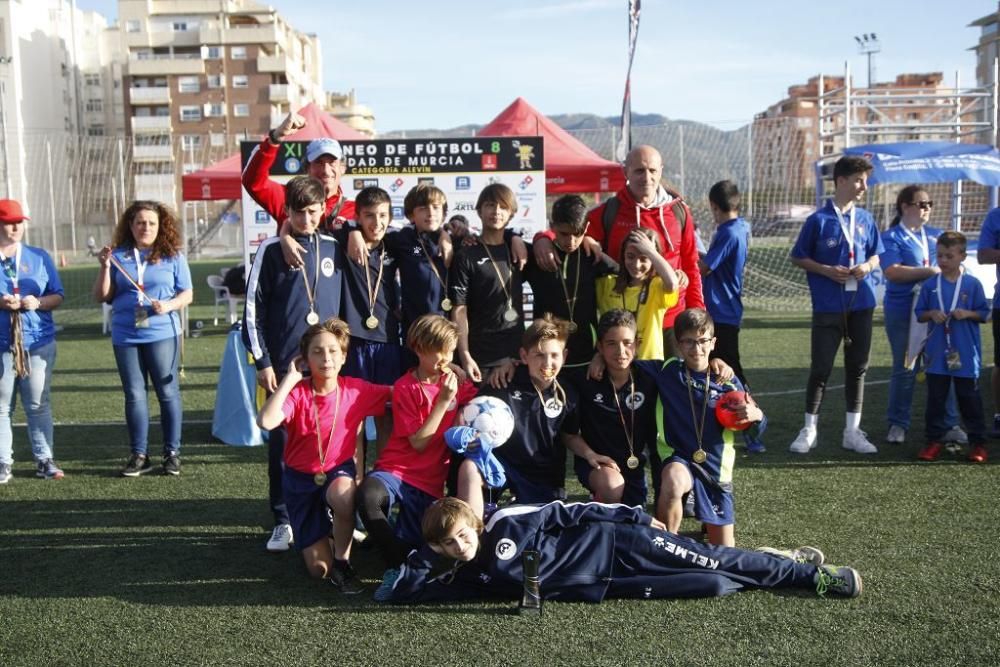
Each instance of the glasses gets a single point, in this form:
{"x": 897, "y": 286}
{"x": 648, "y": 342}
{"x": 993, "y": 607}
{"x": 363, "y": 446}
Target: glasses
{"x": 923, "y": 205}
{"x": 690, "y": 343}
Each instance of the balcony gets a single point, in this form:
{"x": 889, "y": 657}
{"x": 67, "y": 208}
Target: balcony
{"x": 162, "y": 153}
{"x": 158, "y": 187}
{"x": 161, "y": 65}
{"x": 155, "y": 124}
{"x": 276, "y": 63}
{"x": 260, "y": 34}
{"x": 137, "y": 40}
{"x": 278, "y": 93}
{"x": 151, "y": 95}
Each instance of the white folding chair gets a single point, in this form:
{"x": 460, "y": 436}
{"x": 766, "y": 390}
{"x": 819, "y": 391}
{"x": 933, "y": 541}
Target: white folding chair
{"x": 221, "y": 295}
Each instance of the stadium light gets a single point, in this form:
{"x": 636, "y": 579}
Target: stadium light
{"x": 868, "y": 45}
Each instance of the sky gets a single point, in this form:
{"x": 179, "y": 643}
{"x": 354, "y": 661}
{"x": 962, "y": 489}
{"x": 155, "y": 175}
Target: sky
{"x": 444, "y": 63}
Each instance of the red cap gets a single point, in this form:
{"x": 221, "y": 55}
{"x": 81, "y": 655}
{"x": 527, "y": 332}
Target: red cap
{"x": 10, "y": 212}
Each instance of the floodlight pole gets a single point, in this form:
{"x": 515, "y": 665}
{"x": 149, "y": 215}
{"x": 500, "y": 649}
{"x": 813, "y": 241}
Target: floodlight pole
{"x": 868, "y": 45}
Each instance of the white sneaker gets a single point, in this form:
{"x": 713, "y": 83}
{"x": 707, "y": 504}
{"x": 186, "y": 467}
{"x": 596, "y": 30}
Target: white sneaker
{"x": 856, "y": 440}
{"x": 957, "y": 435}
{"x": 897, "y": 435}
{"x": 805, "y": 441}
{"x": 281, "y": 538}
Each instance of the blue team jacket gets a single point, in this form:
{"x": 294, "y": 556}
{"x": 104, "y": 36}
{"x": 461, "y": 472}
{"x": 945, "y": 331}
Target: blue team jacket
{"x": 576, "y": 542}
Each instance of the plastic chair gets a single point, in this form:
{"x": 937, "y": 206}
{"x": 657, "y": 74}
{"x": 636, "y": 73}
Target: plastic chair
{"x": 221, "y": 295}
{"x": 105, "y": 318}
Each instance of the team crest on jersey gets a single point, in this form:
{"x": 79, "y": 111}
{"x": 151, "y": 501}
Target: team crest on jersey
{"x": 326, "y": 266}
{"x": 635, "y": 402}
{"x": 515, "y": 395}
{"x": 832, "y": 243}
{"x": 506, "y": 549}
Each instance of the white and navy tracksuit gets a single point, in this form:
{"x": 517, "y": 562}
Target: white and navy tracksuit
{"x": 592, "y": 551}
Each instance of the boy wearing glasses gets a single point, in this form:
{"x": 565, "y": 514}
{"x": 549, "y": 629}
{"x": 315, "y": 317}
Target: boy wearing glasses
{"x": 838, "y": 248}
{"x": 694, "y": 452}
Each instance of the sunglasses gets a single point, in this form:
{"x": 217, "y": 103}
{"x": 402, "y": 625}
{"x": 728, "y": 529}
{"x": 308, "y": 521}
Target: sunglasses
{"x": 923, "y": 205}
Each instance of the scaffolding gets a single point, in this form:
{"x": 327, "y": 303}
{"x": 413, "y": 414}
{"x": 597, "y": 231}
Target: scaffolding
{"x": 851, "y": 116}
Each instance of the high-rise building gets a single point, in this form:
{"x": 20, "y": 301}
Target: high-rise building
{"x": 202, "y": 75}
{"x": 60, "y": 81}
{"x": 344, "y": 107}
{"x": 988, "y": 48}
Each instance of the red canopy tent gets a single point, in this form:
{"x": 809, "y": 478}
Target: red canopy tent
{"x": 222, "y": 179}
{"x": 570, "y": 166}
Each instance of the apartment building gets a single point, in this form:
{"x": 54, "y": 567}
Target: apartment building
{"x": 202, "y": 75}
{"x": 344, "y": 107}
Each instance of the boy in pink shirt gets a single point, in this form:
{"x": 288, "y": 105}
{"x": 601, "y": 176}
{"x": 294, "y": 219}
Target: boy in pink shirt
{"x": 411, "y": 470}
{"x": 321, "y": 415}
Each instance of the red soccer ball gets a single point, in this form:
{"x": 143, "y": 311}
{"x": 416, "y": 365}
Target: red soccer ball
{"x": 727, "y": 407}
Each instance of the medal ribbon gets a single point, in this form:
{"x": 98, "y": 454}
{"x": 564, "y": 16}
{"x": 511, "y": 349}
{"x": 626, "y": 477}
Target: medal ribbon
{"x": 699, "y": 427}
{"x": 848, "y": 234}
{"x": 558, "y": 393}
{"x": 140, "y": 271}
{"x": 921, "y": 242}
{"x": 954, "y": 302}
{"x": 629, "y": 432}
{"x": 21, "y": 358}
{"x": 503, "y": 281}
{"x": 311, "y": 291}
{"x": 121, "y": 269}
{"x": 570, "y": 301}
{"x": 11, "y": 271}
{"x": 333, "y": 426}
{"x": 373, "y": 294}
{"x": 434, "y": 268}
{"x": 639, "y": 301}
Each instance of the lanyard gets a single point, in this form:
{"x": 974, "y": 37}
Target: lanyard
{"x": 921, "y": 242}
{"x": 848, "y": 234}
{"x": 373, "y": 293}
{"x": 503, "y": 281}
{"x": 570, "y": 300}
{"x": 12, "y": 272}
{"x": 954, "y": 302}
{"x": 323, "y": 453}
{"x": 311, "y": 290}
{"x": 140, "y": 271}
{"x": 640, "y": 300}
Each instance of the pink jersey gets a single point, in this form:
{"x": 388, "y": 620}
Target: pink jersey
{"x": 358, "y": 399}
{"x": 412, "y": 402}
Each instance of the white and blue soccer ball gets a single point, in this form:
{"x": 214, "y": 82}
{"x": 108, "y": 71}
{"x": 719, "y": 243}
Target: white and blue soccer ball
{"x": 491, "y": 417}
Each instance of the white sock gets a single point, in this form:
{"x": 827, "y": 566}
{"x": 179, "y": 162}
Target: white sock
{"x": 812, "y": 421}
{"x": 853, "y": 420}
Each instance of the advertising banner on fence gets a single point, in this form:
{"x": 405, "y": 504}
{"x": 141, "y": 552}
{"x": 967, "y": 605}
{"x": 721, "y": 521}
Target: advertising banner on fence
{"x": 461, "y": 167}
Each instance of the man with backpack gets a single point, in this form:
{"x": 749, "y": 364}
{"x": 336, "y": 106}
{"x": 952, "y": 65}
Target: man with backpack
{"x": 644, "y": 202}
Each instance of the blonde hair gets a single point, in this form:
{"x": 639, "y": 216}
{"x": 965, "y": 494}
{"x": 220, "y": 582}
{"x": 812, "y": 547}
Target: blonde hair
{"x": 546, "y": 327}
{"x": 443, "y": 515}
{"x": 335, "y": 326}
{"x": 431, "y": 333}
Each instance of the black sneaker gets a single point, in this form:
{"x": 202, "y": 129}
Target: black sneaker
{"x": 171, "y": 464}
{"x": 346, "y": 581}
{"x": 138, "y": 464}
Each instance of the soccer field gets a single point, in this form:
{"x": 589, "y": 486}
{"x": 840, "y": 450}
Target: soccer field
{"x": 102, "y": 570}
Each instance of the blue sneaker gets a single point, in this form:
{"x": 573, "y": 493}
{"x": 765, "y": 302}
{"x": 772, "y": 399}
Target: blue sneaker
{"x": 48, "y": 469}
{"x": 843, "y": 581}
{"x": 384, "y": 591}
{"x": 754, "y": 445}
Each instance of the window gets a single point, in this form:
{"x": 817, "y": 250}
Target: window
{"x": 214, "y": 81}
{"x": 91, "y": 79}
{"x": 214, "y": 109}
{"x": 190, "y": 113}
{"x": 133, "y": 26}
{"x": 241, "y": 81}
{"x": 95, "y": 131}
{"x": 217, "y": 139}
{"x": 190, "y": 167}
{"x": 95, "y": 105}
{"x": 211, "y": 52}
{"x": 238, "y": 52}
{"x": 189, "y": 141}
{"x": 188, "y": 84}
{"x": 179, "y": 26}
{"x": 241, "y": 110}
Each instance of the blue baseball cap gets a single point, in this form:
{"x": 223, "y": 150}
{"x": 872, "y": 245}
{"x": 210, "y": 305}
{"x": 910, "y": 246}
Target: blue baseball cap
{"x": 318, "y": 147}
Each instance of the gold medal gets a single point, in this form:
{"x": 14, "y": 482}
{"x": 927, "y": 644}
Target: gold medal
{"x": 921, "y": 376}
{"x": 371, "y": 322}
{"x": 632, "y": 462}
{"x": 312, "y": 317}
{"x": 699, "y": 456}
{"x": 510, "y": 315}
{"x": 572, "y": 327}
{"x": 446, "y": 304}
{"x": 319, "y": 478}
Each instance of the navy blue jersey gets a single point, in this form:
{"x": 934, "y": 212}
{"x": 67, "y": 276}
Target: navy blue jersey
{"x": 572, "y": 284}
{"x": 601, "y": 423}
{"x": 474, "y": 283}
{"x": 357, "y": 302}
{"x": 676, "y": 424}
{"x": 277, "y": 304}
{"x": 423, "y": 290}
{"x": 963, "y": 335}
{"x": 576, "y": 542}
{"x": 535, "y": 449}
{"x": 726, "y": 259}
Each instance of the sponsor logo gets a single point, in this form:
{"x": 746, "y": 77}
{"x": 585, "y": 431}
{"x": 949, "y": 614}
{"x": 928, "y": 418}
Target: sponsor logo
{"x": 396, "y": 184}
{"x": 515, "y": 395}
{"x": 526, "y": 182}
{"x": 261, "y": 218}
{"x": 362, "y": 183}
{"x": 397, "y": 212}
{"x": 292, "y": 165}
{"x": 489, "y": 162}
{"x": 463, "y": 183}
{"x": 426, "y": 180}
{"x": 506, "y": 549}
{"x": 598, "y": 398}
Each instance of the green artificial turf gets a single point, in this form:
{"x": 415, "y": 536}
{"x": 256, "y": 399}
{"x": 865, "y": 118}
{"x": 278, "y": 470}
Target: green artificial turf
{"x": 100, "y": 570}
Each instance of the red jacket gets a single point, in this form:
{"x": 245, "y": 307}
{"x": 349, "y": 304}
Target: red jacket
{"x": 680, "y": 250}
{"x": 271, "y": 194}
